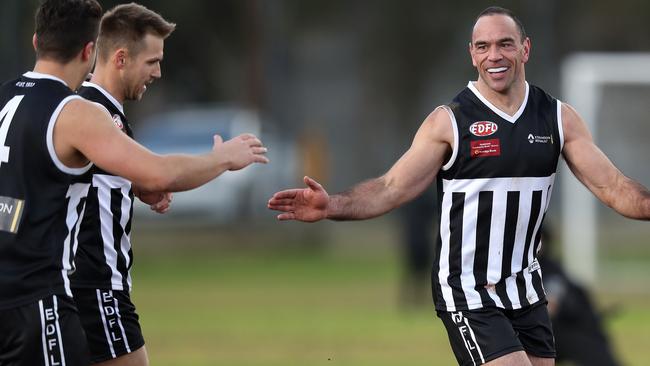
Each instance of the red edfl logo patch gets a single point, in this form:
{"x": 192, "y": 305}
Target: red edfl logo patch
{"x": 483, "y": 128}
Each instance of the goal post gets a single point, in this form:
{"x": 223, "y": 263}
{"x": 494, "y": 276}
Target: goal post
{"x": 583, "y": 76}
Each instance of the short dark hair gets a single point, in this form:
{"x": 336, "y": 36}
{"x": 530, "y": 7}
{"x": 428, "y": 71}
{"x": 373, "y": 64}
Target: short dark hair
{"x": 497, "y": 10}
{"x": 64, "y": 27}
{"x": 126, "y": 25}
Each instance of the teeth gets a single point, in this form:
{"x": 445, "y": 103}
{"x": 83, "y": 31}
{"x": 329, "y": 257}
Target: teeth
{"x": 497, "y": 69}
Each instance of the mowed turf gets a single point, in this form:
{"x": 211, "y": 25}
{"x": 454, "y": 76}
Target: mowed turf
{"x": 215, "y": 305}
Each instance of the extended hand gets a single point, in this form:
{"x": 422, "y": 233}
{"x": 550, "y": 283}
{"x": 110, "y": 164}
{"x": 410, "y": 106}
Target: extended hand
{"x": 307, "y": 204}
{"x": 241, "y": 151}
{"x": 157, "y": 201}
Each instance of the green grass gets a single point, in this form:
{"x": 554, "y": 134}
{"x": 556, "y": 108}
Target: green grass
{"x": 336, "y": 304}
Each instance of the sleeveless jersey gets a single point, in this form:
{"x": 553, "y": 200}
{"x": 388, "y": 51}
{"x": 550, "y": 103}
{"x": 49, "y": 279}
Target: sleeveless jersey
{"x": 104, "y": 256}
{"x": 39, "y": 203}
{"x": 494, "y": 192}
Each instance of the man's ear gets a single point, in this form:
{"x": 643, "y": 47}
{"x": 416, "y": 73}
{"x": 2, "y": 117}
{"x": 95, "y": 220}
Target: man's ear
{"x": 34, "y": 41}
{"x": 119, "y": 58}
{"x": 88, "y": 52}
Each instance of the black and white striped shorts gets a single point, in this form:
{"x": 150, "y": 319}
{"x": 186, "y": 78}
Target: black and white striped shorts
{"x": 482, "y": 335}
{"x": 110, "y": 322}
{"x": 46, "y": 332}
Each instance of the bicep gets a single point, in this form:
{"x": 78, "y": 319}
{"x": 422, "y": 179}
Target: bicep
{"x": 92, "y": 132}
{"x": 587, "y": 162}
{"x": 417, "y": 168}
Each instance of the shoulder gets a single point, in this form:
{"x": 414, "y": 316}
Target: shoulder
{"x": 439, "y": 125}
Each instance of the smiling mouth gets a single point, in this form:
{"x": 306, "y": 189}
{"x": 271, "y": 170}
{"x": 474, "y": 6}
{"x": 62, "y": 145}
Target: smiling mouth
{"x": 497, "y": 70}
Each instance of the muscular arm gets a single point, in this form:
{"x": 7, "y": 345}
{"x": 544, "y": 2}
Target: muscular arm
{"x": 590, "y": 165}
{"x": 85, "y": 132}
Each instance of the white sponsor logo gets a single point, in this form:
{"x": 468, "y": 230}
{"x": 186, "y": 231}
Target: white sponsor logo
{"x": 540, "y": 139}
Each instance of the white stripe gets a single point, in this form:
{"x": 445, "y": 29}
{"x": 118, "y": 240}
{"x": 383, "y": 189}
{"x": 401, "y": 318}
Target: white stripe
{"x": 474, "y": 186}
{"x": 462, "y": 335}
{"x": 104, "y": 323}
{"x": 443, "y": 273}
{"x": 502, "y": 114}
{"x": 49, "y": 139}
{"x": 560, "y": 127}
{"x": 478, "y": 347}
{"x": 454, "y": 127}
{"x": 39, "y": 75}
{"x": 45, "y": 353}
{"x": 531, "y": 293}
{"x": 58, "y": 330}
{"x": 468, "y": 252}
{"x": 119, "y": 322}
{"x": 75, "y": 193}
{"x": 125, "y": 243}
{"x": 513, "y": 291}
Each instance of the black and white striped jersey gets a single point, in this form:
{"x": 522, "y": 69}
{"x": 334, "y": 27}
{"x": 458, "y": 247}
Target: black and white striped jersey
{"x": 39, "y": 203}
{"x": 494, "y": 192}
{"x": 104, "y": 257}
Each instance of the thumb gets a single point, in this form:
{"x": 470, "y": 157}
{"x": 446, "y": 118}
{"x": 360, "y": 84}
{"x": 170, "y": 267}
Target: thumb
{"x": 217, "y": 139}
{"x": 312, "y": 184}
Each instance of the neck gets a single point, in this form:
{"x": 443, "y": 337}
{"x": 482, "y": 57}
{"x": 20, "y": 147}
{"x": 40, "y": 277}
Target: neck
{"x": 67, "y": 72}
{"x": 508, "y": 100}
{"x": 103, "y": 77}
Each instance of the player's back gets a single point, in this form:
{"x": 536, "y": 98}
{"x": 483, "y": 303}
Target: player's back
{"x": 39, "y": 207}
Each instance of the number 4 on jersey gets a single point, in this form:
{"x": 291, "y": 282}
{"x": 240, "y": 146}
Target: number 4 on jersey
{"x": 6, "y": 115}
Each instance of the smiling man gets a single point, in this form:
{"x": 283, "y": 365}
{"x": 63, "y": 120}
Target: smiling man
{"x": 494, "y": 151}
{"x": 129, "y": 53}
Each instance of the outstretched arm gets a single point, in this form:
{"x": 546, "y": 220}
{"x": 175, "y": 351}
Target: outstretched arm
{"x": 406, "y": 179}
{"x": 590, "y": 165}
{"x": 85, "y": 132}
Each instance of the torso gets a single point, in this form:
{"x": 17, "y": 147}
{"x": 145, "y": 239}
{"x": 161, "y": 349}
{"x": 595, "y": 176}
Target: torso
{"x": 105, "y": 257}
{"x": 494, "y": 192}
{"x": 40, "y": 202}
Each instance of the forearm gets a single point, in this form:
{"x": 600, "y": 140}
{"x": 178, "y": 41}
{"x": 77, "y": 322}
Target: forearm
{"x": 366, "y": 200}
{"x": 180, "y": 172}
{"x": 630, "y": 199}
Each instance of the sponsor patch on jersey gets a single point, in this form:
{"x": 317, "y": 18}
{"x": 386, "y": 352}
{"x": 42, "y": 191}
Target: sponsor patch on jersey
{"x": 11, "y": 210}
{"x": 483, "y": 148}
{"x": 118, "y": 121}
{"x": 534, "y": 266}
{"x": 537, "y": 139}
{"x": 483, "y": 128}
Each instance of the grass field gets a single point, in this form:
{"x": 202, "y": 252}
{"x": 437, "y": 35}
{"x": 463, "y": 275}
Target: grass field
{"x": 216, "y": 297}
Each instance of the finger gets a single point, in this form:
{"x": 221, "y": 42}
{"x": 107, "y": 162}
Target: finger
{"x": 217, "y": 139}
{"x": 261, "y": 159}
{"x": 260, "y": 150}
{"x": 286, "y": 216}
{"x": 287, "y": 193}
{"x": 284, "y": 201}
{"x": 282, "y": 208}
{"x": 314, "y": 185}
{"x": 254, "y": 141}
{"x": 247, "y": 136}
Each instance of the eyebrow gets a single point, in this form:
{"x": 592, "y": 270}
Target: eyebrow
{"x": 502, "y": 40}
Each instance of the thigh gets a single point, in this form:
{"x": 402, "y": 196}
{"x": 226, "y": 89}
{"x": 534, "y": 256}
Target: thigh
{"x": 46, "y": 332}
{"x": 111, "y": 323}
{"x": 534, "y": 329}
{"x": 479, "y": 336}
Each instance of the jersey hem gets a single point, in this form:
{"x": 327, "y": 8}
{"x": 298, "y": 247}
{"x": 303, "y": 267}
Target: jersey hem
{"x": 97, "y": 286}
{"x": 470, "y": 307}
